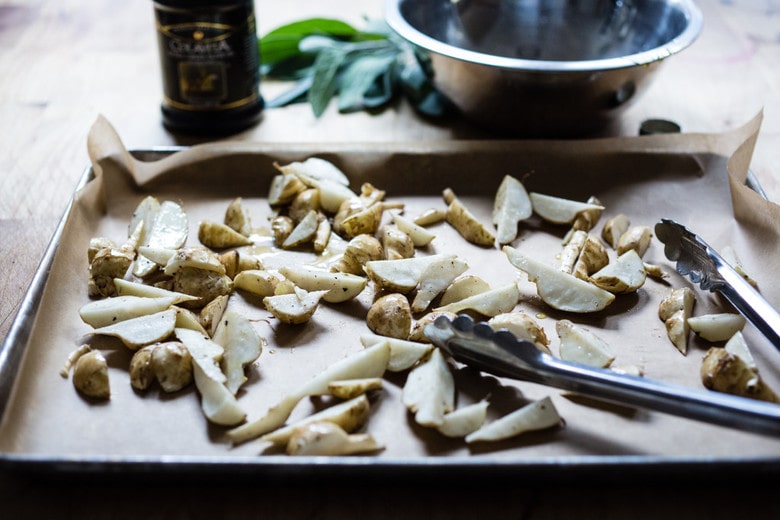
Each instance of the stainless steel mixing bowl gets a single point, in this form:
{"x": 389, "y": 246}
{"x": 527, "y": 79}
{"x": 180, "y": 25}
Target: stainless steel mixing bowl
{"x": 544, "y": 68}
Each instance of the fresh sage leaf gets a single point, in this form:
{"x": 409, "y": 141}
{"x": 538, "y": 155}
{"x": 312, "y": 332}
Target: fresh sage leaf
{"x": 358, "y": 78}
{"x": 323, "y": 86}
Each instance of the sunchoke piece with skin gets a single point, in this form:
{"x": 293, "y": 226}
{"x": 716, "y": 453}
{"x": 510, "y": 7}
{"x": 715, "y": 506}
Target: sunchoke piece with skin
{"x": 558, "y": 210}
{"x": 464, "y": 221}
{"x": 327, "y": 438}
{"x": 217, "y": 235}
{"x": 339, "y": 286}
{"x": 724, "y": 371}
{"x": 674, "y": 310}
{"x": 523, "y": 326}
{"x": 390, "y": 315}
{"x": 237, "y": 217}
{"x": 360, "y": 250}
{"x": 294, "y": 308}
{"x": 90, "y": 375}
{"x": 348, "y": 415}
{"x": 614, "y": 228}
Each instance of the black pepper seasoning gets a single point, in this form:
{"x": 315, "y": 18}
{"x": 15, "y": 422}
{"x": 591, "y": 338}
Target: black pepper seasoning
{"x": 210, "y": 65}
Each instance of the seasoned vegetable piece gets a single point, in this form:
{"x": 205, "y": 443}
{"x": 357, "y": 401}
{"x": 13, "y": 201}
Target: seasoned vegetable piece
{"x": 674, "y": 310}
{"x": 390, "y": 315}
{"x": 90, "y": 375}
{"x": 464, "y": 221}
{"x": 511, "y": 206}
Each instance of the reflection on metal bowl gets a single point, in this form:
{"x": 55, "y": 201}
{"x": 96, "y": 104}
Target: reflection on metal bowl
{"x": 544, "y": 68}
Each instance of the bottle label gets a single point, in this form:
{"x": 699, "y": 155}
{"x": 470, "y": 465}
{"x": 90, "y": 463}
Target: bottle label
{"x": 209, "y": 57}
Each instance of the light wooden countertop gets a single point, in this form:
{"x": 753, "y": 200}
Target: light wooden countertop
{"x": 65, "y": 62}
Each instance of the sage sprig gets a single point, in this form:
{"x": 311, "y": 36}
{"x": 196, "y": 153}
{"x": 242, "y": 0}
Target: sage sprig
{"x": 365, "y": 69}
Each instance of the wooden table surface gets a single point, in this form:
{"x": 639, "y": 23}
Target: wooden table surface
{"x": 65, "y": 62}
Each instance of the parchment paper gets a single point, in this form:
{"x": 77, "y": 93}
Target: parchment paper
{"x": 698, "y": 180}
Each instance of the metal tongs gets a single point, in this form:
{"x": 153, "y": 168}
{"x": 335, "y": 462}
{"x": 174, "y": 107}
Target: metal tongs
{"x": 502, "y": 354}
{"x": 703, "y": 265}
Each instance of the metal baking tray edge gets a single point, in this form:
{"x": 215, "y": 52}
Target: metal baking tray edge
{"x": 604, "y": 467}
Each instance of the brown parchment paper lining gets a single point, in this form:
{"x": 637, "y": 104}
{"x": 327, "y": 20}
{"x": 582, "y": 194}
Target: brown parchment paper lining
{"x": 698, "y": 180}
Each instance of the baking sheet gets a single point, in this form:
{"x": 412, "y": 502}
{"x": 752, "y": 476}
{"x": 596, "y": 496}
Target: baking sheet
{"x": 698, "y": 180}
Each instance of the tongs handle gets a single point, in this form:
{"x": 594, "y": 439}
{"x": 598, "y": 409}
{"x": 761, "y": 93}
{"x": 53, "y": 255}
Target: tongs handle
{"x": 749, "y": 302}
{"x": 500, "y": 353}
{"x": 712, "y": 407}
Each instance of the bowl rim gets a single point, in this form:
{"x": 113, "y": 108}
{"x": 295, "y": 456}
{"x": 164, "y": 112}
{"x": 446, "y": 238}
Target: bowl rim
{"x": 396, "y": 21}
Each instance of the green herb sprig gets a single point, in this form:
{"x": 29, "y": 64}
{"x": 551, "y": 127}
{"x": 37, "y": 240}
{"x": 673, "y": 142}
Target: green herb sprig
{"x": 365, "y": 69}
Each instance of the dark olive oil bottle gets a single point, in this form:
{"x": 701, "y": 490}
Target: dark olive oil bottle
{"x": 210, "y": 64}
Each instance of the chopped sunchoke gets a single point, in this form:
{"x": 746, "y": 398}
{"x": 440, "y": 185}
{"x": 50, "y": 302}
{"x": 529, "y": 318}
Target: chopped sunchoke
{"x": 90, "y": 375}
{"x": 242, "y": 345}
{"x": 723, "y": 371}
{"x": 523, "y": 326}
{"x": 511, "y": 206}
{"x": 558, "y": 210}
{"x": 560, "y": 290}
{"x": 326, "y": 438}
{"x": 144, "y": 330}
{"x": 538, "y": 415}
{"x": 390, "y": 315}
{"x": 339, "y": 287}
{"x": 488, "y": 303}
{"x": 674, "y": 310}
{"x": 465, "y": 222}
{"x": 294, "y": 308}
{"x": 220, "y": 236}
{"x": 718, "y": 326}
{"x": 429, "y": 391}
{"x": 581, "y": 345}
{"x": 625, "y": 275}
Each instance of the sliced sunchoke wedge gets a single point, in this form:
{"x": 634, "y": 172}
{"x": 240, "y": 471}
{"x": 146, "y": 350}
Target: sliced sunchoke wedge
{"x": 242, "y": 346}
{"x": 217, "y": 402}
{"x": 538, "y": 415}
{"x": 435, "y": 278}
{"x": 464, "y": 421}
{"x": 339, "y": 287}
{"x": 420, "y": 236}
{"x": 168, "y": 228}
{"x": 465, "y": 222}
{"x": 511, "y": 206}
{"x": 580, "y": 345}
{"x": 403, "y": 353}
{"x": 349, "y": 415}
{"x": 115, "y": 309}
{"x": 625, "y": 275}
{"x": 488, "y": 303}
{"x": 429, "y": 391}
{"x": 326, "y": 438}
{"x": 560, "y": 290}
{"x": 144, "y": 330}
{"x": 402, "y": 275}
{"x": 718, "y": 326}
{"x": 294, "y": 308}
{"x": 674, "y": 310}
{"x": 558, "y": 210}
